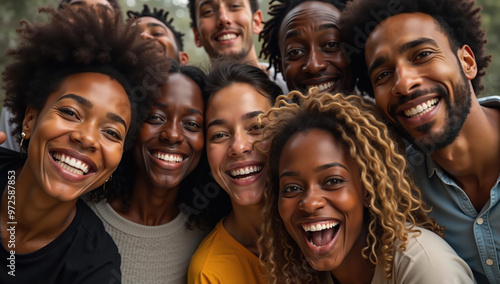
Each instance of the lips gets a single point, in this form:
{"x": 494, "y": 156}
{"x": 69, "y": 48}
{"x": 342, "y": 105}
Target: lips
{"x": 320, "y": 234}
{"x": 71, "y": 164}
{"x": 421, "y": 109}
{"x": 323, "y": 86}
{"x": 168, "y": 157}
{"x": 246, "y": 172}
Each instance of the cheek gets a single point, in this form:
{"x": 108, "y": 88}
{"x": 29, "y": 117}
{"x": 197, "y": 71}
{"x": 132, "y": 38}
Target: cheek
{"x": 286, "y": 207}
{"x": 112, "y": 155}
{"x": 214, "y": 156}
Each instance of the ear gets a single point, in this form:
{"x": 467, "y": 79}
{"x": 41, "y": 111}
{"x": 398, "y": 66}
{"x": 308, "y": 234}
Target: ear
{"x": 366, "y": 201}
{"x": 29, "y": 121}
{"x": 468, "y": 61}
{"x": 197, "y": 40}
{"x": 257, "y": 22}
{"x": 183, "y": 58}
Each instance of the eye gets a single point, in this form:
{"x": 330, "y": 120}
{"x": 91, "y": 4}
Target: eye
{"x": 423, "y": 54}
{"x": 381, "y": 76}
{"x": 218, "y": 137}
{"x": 294, "y": 53}
{"x": 192, "y": 126}
{"x": 334, "y": 181}
{"x": 68, "y": 112}
{"x": 289, "y": 189}
{"x": 256, "y": 129}
{"x": 157, "y": 34}
{"x": 332, "y": 45}
{"x": 113, "y": 134}
{"x": 155, "y": 119}
{"x": 208, "y": 12}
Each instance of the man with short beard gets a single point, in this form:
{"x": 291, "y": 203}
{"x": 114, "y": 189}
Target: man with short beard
{"x": 423, "y": 62}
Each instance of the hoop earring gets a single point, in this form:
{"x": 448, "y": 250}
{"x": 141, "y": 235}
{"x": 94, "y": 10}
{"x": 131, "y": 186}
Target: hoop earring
{"x": 23, "y": 135}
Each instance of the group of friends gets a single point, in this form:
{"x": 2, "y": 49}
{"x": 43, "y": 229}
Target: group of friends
{"x": 361, "y": 152}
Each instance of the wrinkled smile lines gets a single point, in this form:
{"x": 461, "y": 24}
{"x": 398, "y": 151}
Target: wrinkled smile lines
{"x": 71, "y": 164}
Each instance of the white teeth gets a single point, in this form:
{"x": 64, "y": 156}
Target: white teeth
{"x": 319, "y": 227}
{"x": 174, "y": 158}
{"x": 71, "y": 164}
{"x": 422, "y": 108}
{"x": 246, "y": 171}
{"x": 226, "y": 37}
{"x": 323, "y": 86}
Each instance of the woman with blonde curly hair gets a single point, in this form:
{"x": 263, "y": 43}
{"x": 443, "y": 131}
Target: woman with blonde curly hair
{"x": 340, "y": 201}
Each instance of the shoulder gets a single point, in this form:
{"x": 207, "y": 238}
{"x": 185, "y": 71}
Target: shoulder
{"x": 426, "y": 251}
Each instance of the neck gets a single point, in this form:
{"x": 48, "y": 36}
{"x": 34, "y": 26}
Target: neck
{"x": 39, "y": 218}
{"x": 150, "y": 205}
{"x": 243, "y": 224}
{"x": 472, "y": 159}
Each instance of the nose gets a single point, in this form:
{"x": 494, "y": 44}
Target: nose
{"x": 311, "y": 201}
{"x": 224, "y": 19}
{"x": 241, "y": 144}
{"x": 406, "y": 80}
{"x": 86, "y": 136}
{"x": 315, "y": 62}
{"x": 172, "y": 133}
{"x": 145, "y": 35}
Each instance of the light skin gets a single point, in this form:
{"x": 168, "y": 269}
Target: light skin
{"x": 168, "y": 148}
{"x": 86, "y": 121}
{"x": 154, "y": 29}
{"x": 409, "y": 60}
{"x": 96, "y": 3}
{"x": 319, "y": 184}
{"x": 226, "y": 28}
{"x": 309, "y": 41}
{"x": 231, "y": 120}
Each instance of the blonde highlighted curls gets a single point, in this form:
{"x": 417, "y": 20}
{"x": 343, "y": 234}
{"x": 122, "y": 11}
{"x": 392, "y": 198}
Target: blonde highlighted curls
{"x": 395, "y": 202}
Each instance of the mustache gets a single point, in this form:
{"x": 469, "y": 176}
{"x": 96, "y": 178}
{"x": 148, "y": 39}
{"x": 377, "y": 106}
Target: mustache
{"x": 416, "y": 94}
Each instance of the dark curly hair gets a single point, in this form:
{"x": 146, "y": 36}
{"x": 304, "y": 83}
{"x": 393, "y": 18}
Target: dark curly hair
{"x": 76, "y": 41}
{"x": 270, "y": 33}
{"x": 161, "y": 16}
{"x": 121, "y": 186}
{"x": 254, "y": 6}
{"x": 458, "y": 19}
{"x": 114, "y": 4}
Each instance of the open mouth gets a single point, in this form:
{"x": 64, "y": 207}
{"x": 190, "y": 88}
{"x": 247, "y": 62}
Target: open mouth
{"x": 321, "y": 234}
{"x": 245, "y": 172}
{"x": 172, "y": 158}
{"x": 71, "y": 164}
{"x": 226, "y": 37}
{"x": 421, "y": 109}
{"x": 323, "y": 86}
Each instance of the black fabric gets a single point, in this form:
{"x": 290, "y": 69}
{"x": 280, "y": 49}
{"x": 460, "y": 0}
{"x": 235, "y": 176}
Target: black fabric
{"x": 83, "y": 253}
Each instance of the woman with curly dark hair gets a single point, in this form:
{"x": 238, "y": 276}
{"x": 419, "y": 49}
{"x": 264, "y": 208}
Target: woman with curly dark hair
{"x": 340, "y": 201}
{"x": 78, "y": 87}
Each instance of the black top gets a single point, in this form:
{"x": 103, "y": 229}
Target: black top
{"x": 83, "y": 253}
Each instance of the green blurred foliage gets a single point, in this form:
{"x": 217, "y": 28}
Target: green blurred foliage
{"x": 12, "y": 11}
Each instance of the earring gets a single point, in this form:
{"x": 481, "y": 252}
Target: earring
{"x": 104, "y": 185}
{"x": 23, "y": 135}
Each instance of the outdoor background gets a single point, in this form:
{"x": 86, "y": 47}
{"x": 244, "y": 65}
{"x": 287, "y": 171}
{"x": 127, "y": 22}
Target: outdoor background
{"x": 12, "y": 11}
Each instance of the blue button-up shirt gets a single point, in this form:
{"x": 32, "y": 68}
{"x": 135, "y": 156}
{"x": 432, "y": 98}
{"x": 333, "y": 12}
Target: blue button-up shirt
{"x": 475, "y": 236}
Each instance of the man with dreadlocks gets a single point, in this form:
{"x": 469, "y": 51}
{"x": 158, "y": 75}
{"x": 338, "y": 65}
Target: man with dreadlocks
{"x": 155, "y": 25}
{"x": 302, "y": 41}
{"x": 423, "y": 62}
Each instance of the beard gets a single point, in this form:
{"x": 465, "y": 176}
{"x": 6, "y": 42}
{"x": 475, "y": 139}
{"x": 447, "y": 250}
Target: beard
{"x": 455, "y": 117}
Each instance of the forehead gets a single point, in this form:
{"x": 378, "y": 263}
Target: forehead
{"x": 181, "y": 90}
{"x": 199, "y": 3}
{"x": 148, "y": 22}
{"x": 90, "y": 2}
{"x": 310, "y": 13}
{"x": 403, "y": 28}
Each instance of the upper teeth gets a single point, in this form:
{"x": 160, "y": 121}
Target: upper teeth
{"x": 319, "y": 227}
{"x": 168, "y": 157}
{"x": 422, "y": 108}
{"x": 77, "y": 166}
{"x": 322, "y": 87}
{"x": 245, "y": 170}
{"x": 226, "y": 37}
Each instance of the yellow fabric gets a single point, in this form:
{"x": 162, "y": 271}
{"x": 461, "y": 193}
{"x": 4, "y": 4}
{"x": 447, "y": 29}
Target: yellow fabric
{"x": 222, "y": 259}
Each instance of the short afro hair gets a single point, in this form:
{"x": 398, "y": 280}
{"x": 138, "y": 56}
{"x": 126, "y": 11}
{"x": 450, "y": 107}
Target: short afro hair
{"x": 161, "y": 16}
{"x": 254, "y": 7}
{"x": 77, "y": 41}
{"x": 458, "y": 19}
{"x": 114, "y": 4}
{"x": 270, "y": 33}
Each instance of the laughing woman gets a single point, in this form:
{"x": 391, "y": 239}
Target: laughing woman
{"x": 70, "y": 89}
{"x": 237, "y": 93}
{"x": 341, "y": 202}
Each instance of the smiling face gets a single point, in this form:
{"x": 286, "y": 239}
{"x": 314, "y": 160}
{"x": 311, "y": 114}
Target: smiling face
{"x": 231, "y": 129}
{"x": 419, "y": 82}
{"x": 321, "y": 199}
{"x": 76, "y": 141}
{"x": 170, "y": 142}
{"x": 226, "y": 27}
{"x": 309, "y": 40}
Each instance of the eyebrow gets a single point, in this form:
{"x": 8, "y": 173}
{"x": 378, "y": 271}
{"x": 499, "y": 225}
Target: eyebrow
{"x": 190, "y": 110}
{"x": 154, "y": 25}
{"x": 246, "y": 116}
{"x": 402, "y": 49}
{"x": 88, "y": 104}
{"x": 323, "y": 27}
{"x": 316, "y": 170}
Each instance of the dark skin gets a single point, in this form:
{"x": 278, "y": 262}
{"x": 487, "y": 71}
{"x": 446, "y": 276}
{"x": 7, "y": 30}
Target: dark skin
{"x": 175, "y": 128}
{"x": 471, "y": 159}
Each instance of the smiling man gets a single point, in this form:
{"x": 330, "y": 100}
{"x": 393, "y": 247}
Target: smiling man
{"x": 423, "y": 62}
